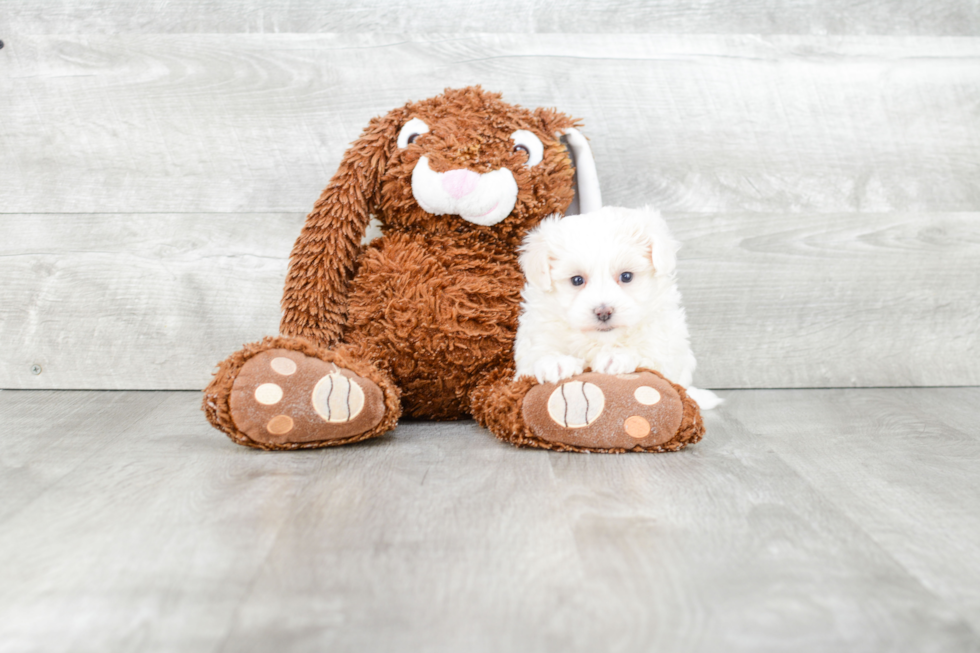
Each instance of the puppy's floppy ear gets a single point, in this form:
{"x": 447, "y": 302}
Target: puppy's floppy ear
{"x": 663, "y": 247}
{"x": 314, "y": 301}
{"x": 535, "y": 257}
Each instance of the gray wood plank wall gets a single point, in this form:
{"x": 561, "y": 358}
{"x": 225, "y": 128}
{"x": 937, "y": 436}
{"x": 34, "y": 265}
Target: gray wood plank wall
{"x": 820, "y": 163}
{"x": 924, "y": 17}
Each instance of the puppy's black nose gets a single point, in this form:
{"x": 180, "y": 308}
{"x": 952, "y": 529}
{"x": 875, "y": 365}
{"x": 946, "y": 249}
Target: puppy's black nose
{"x": 603, "y": 313}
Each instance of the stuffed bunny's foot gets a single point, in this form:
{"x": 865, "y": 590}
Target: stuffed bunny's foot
{"x": 281, "y": 397}
{"x": 605, "y": 411}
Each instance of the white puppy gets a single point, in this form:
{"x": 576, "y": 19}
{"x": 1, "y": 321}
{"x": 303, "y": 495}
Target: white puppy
{"x": 601, "y": 293}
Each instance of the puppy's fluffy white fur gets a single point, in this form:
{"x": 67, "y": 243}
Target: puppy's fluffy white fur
{"x": 601, "y": 293}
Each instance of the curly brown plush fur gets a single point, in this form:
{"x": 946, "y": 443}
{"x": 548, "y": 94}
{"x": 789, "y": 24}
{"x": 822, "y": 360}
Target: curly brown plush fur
{"x": 428, "y": 312}
{"x": 470, "y": 128}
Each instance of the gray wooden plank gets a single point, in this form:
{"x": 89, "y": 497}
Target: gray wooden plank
{"x": 226, "y": 123}
{"x": 47, "y": 435}
{"x": 726, "y": 547}
{"x": 438, "y": 537}
{"x": 900, "y": 463}
{"x": 722, "y": 547}
{"x": 816, "y": 300}
{"x": 832, "y": 300}
{"x": 137, "y": 301}
{"x": 150, "y": 543}
{"x": 441, "y": 539}
{"x": 949, "y": 17}
{"x": 957, "y": 407}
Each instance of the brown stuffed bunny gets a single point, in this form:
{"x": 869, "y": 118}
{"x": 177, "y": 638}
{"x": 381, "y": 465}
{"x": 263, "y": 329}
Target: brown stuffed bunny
{"x": 423, "y": 319}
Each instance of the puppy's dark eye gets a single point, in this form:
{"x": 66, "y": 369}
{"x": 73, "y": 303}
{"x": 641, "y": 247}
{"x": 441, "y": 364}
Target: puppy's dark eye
{"x": 523, "y": 148}
{"x": 626, "y": 277}
{"x": 577, "y": 281}
{"x": 411, "y": 139}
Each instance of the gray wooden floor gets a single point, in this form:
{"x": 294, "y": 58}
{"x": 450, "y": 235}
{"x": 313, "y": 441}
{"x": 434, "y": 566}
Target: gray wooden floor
{"x": 807, "y": 520}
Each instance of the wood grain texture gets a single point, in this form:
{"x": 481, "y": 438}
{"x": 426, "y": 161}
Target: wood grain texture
{"x": 901, "y": 464}
{"x": 229, "y": 123}
{"x": 682, "y": 554}
{"x": 149, "y": 543}
{"x": 163, "y": 535}
{"x": 154, "y": 301}
{"x": 947, "y": 17}
{"x": 136, "y": 301}
{"x": 37, "y": 453}
{"x": 832, "y": 300}
{"x": 825, "y": 189}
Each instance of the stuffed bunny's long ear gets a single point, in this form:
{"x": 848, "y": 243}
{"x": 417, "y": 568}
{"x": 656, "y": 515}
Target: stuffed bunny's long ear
{"x": 588, "y": 196}
{"x": 314, "y": 301}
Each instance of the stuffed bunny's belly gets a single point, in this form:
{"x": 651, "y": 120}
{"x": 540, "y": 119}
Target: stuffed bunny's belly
{"x": 437, "y": 315}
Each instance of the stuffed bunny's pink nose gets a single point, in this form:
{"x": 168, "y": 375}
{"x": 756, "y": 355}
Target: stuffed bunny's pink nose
{"x": 459, "y": 182}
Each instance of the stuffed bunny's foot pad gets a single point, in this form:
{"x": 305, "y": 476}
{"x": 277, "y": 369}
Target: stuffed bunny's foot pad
{"x": 281, "y": 396}
{"x": 600, "y": 412}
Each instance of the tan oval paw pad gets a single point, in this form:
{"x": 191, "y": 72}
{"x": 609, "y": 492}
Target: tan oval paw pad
{"x": 646, "y": 395}
{"x": 576, "y": 404}
{"x": 637, "y": 427}
{"x": 337, "y": 398}
{"x": 280, "y": 424}
{"x": 283, "y": 365}
{"x": 268, "y": 394}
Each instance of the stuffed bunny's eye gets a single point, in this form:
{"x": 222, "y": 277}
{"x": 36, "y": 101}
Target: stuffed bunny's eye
{"x": 527, "y": 142}
{"x": 412, "y": 130}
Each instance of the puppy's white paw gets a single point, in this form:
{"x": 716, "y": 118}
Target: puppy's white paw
{"x": 552, "y": 369}
{"x": 615, "y": 362}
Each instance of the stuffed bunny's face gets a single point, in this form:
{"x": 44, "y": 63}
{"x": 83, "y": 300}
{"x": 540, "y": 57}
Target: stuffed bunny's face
{"x": 466, "y": 161}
